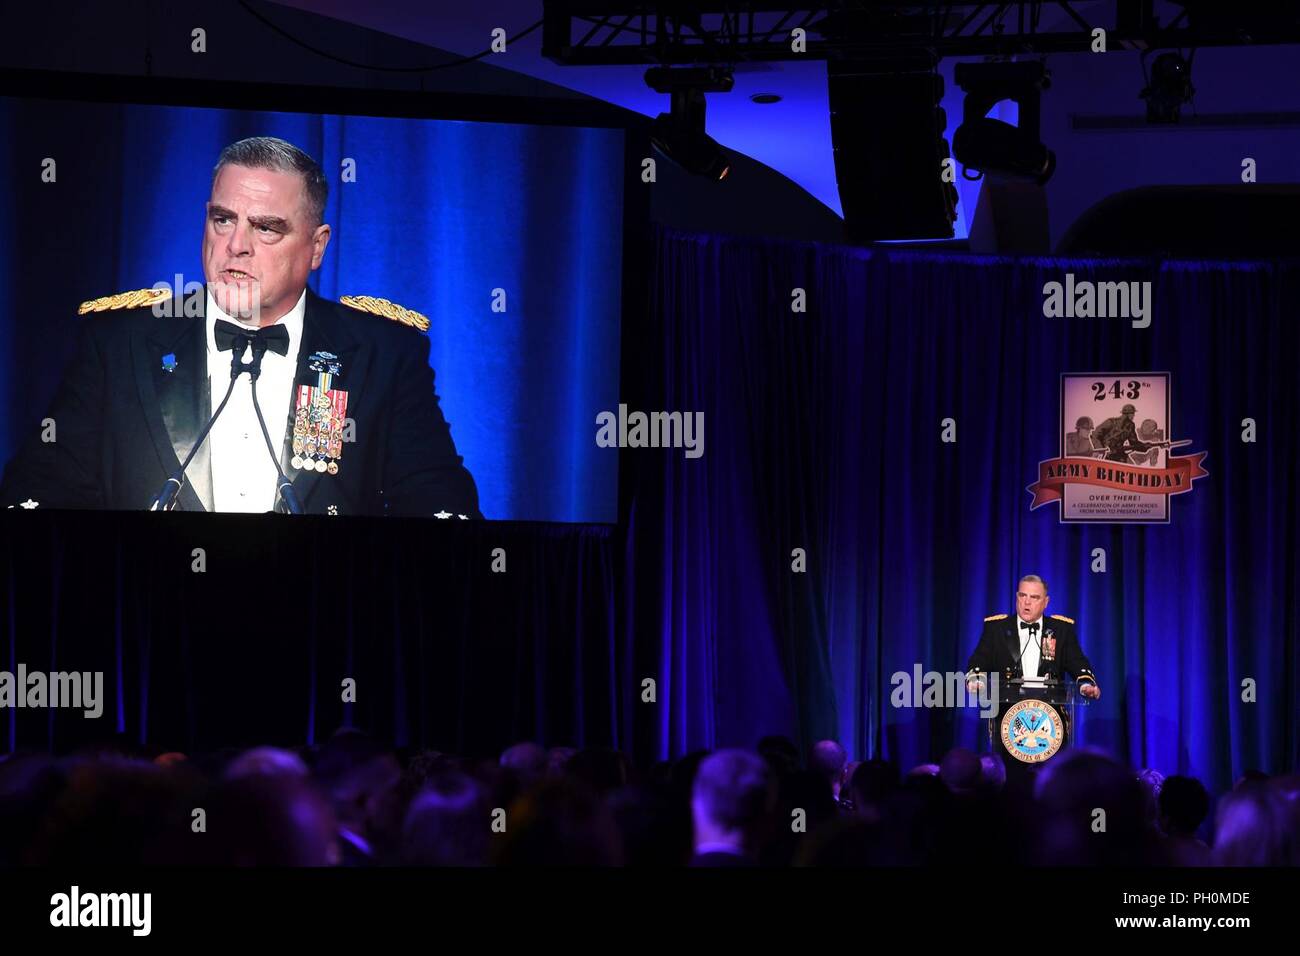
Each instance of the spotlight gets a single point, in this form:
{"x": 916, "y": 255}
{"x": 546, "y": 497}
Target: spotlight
{"x": 1168, "y": 89}
{"x": 992, "y": 146}
{"x": 680, "y": 135}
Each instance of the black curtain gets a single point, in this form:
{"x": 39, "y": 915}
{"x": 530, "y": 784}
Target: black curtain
{"x": 444, "y": 651}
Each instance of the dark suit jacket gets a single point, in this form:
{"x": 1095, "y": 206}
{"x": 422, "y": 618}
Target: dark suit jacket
{"x": 124, "y": 424}
{"x": 999, "y": 649}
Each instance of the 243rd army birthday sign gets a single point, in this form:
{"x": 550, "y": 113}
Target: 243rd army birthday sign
{"x": 1115, "y": 465}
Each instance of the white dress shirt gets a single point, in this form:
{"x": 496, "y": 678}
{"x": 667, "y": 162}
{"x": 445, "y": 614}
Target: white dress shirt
{"x": 243, "y": 475}
{"x": 1031, "y": 651}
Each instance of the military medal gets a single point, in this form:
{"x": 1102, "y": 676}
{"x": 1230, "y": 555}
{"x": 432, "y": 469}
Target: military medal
{"x": 1049, "y": 647}
{"x": 320, "y": 413}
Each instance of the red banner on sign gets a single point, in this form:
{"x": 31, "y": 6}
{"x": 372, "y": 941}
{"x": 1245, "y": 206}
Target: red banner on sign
{"x": 1174, "y": 479}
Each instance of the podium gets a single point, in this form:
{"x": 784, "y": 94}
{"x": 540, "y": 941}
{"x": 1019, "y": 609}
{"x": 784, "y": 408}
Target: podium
{"x": 1034, "y": 721}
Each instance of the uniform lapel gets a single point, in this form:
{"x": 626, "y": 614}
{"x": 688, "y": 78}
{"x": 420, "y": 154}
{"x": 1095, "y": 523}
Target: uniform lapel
{"x": 176, "y": 403}
{"x": 1013, "y": 645}
{"x": 325, "y": 328}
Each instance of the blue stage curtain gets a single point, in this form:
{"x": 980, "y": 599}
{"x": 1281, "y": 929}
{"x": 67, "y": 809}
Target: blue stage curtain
{"x": 823, "y": 433}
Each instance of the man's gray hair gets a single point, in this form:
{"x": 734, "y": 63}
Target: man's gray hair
{"x": 1035, "y": 579}
{"x": 269, "y": 152}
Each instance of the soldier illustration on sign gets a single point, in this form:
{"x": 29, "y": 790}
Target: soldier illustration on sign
{"x": 1152, "y": 434}
{"x": 1078, "y": 443}
{"x": 1149, "y": 431}
{"x": 1120, "y": 439}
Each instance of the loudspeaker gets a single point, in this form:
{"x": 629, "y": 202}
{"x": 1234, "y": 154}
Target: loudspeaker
{"x": 887, "y": 134}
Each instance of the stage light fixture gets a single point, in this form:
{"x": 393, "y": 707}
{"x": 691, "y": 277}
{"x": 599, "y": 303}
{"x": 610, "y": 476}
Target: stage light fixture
{"x": 1169, "y": 87}
{"x": 680, "y": 134}
{"x": 991, "y": 146}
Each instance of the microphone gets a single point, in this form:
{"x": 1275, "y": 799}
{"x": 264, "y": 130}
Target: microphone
{"x": 283, "y": 486}
{"x": 1033, "y": 639}
{"x": 165, "y": 500}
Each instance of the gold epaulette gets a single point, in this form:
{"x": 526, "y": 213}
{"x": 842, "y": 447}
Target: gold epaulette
{"x": 1061, "y": 617}
{"x": 125, "y": 300}
{"x": 389, "y": 310}
{"x": 995, "y": 617}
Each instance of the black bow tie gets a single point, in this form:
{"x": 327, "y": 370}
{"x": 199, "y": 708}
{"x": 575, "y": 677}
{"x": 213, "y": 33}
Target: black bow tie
{"x": 274, "y": 337}
{"x": 1033, "y": 628}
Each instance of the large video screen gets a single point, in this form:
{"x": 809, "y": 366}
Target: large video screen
{"x": 394, "y": 316}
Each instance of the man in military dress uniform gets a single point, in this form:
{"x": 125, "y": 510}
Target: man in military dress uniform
{"x": 1031, "y": 646}
{"x": 344, "y": 388}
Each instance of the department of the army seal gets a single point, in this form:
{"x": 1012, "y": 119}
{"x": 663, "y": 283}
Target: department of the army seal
{"x": 1032, "y": 730}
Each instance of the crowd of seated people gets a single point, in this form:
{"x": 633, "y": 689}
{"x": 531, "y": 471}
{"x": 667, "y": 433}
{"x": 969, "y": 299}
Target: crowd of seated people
{"x": 353, "y": 801}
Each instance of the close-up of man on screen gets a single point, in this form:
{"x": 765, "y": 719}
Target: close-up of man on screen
{"x": 332, "y": 409}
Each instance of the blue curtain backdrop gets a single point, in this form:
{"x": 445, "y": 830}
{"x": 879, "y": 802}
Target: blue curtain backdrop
{"x": 440, "y": 214}
{"x": 823, "y": 433}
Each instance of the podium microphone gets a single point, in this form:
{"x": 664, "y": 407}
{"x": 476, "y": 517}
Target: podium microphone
{"x": 165, "y": 500}
{"x": 283, "y": 486}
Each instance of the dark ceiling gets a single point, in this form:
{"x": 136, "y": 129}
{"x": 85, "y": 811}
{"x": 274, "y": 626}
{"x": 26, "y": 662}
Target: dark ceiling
{"x": 793, "y": 135}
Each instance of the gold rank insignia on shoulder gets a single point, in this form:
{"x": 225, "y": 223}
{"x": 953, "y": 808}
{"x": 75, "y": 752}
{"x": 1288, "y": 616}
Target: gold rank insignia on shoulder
{"x": 389, "y": 310}
{"x": 995, "y": 617}
{"x": 1061, "y": 617}
{"x": 125, "y": 300}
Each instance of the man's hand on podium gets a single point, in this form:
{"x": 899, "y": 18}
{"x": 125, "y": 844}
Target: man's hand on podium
{"x": 1091, "y": 690}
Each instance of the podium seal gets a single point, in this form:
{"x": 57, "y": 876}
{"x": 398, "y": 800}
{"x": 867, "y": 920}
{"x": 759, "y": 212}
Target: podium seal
{"x": 1032, "y": 730}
